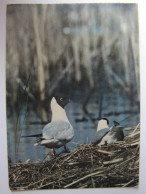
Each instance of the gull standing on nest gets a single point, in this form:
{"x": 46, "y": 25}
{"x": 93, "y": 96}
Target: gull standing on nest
{"x": 59, "y": 131}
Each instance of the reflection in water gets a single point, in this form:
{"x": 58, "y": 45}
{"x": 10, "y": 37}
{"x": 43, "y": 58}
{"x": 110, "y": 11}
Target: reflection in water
{"x": 85, "y": 129}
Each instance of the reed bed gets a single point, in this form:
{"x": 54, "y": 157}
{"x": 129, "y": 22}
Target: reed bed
{"x": 70, "y": 43}
{"x": 88, "y": 166}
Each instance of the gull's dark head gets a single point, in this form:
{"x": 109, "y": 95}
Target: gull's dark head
{"x": 105, "y": 120}
{"x": 62, "y": 101}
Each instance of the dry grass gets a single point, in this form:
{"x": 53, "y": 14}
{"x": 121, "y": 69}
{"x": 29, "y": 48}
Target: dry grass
{"x": 88, "y": 166}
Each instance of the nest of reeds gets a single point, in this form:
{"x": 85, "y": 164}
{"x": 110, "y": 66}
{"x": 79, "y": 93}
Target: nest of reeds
{"x": 88, "y": 166}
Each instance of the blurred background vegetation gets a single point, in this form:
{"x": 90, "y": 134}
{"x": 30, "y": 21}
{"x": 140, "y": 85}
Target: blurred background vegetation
{"x": 89, "y": 52}
{"x": 71, "y": 46}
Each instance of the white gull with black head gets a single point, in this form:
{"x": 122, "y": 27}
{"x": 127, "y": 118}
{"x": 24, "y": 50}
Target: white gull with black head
{"x": 114, "y": 134}
{"x": 59, "y": 131}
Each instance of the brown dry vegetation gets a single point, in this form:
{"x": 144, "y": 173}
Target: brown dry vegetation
{"x": 115, "y": 165}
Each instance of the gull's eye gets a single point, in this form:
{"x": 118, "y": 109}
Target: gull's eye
{"x": 61, "y": 99}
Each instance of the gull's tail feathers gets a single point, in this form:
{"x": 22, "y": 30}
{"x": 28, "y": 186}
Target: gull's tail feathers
{"x": 35, "y": 135}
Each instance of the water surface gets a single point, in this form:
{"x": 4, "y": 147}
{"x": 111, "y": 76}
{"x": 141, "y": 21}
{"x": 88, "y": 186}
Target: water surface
{"x": 84, "y": 125}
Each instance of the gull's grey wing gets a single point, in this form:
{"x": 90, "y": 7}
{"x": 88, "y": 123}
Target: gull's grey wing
{"x": 59, "y": 130}
{"x": 99, "y": 135}
{"x": 117, "y": 133}
{"x": 114, "y": 135}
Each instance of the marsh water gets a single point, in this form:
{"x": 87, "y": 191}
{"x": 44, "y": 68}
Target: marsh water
{"x": 117, "y": 108}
